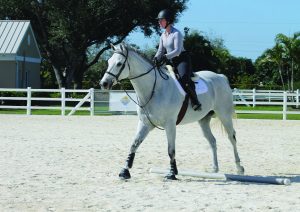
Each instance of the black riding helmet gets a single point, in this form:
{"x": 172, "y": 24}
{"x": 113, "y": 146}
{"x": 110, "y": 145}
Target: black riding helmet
{"x": 166, "y": 14}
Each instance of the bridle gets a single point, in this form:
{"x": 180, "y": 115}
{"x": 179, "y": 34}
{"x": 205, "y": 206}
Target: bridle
{"x": 123, "y": 67}
{"x": 116, "y": 76}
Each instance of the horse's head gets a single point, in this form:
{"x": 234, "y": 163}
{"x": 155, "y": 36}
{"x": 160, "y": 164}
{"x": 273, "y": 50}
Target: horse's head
{"x": 118, "y": 67}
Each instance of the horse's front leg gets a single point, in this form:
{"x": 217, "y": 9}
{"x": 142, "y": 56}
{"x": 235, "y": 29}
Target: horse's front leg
{"x": 142, "y": 132}
{"x": 171, "y": 136}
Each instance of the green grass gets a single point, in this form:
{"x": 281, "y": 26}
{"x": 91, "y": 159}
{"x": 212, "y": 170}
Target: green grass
{"x": 267, "y": 108}
{"x": 41, "y": 112}
{"x": 266, "y": 116}
{"x": 103, "y": 110}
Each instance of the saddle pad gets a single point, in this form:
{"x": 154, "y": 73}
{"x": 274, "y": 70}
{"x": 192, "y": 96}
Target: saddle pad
{"x": 200, "y": 85}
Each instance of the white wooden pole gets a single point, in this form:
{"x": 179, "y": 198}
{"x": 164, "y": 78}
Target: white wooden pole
{"x": 258, "y": 179}
{"x": 284, "y": 105}
{"x": 235, "y": 92}
{"x": 63, "y": 101}
{"x": 240, "y": 178}
{"x": 253, "y": 98}
{"x": 28, "y": 107}
{"x": 297, "y": 98}
{"x": 80, "y": 104}
{"x": 92, "y": 103}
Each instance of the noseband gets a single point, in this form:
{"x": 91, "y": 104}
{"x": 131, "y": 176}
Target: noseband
{"x": 122, "y": 67}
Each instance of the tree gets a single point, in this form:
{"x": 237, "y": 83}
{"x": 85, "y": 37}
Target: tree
{"x": 211, "y": 54}
{"x": 239, "y": 70}
{"x": 267, "y": 63}
{"x": 290, "y": 47}
{"x": 66, "y": 29}
{"x": 201, "y": 51}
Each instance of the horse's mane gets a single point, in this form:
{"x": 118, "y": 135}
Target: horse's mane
{"x": 142, "y": 54}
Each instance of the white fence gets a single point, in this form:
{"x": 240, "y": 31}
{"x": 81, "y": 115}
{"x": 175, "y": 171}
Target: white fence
{"x": 241, "y": 97}
{"x": 89, "y": 97}
{"x": 267, "y": 97}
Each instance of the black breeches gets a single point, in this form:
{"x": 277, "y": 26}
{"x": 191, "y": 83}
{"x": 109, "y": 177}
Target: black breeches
{"x": 183, "y": 69}
{"x": 182, "y": 65}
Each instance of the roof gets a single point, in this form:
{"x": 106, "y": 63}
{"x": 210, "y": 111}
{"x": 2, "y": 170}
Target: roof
{"x": 12, "y": 34}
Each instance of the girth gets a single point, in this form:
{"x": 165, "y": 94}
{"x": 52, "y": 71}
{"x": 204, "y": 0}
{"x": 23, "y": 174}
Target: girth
{"x": 185, "y": 103}
{"x": 183, "y": 109}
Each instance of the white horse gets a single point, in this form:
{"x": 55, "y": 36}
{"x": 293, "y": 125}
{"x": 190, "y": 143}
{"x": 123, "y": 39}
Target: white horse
{"x": 160, "y": 101}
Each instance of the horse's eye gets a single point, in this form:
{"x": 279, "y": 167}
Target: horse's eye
{"x": 119, "y": 64}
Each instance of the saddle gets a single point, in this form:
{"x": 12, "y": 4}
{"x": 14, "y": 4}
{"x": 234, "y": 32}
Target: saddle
{"x": 185, "y": 103}
{"x": 171, "y": 70}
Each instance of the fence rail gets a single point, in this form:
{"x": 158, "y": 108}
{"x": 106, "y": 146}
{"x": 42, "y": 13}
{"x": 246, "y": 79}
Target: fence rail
{"x": 241, "y": 97}
{"x": 267, "y": 97}
{"x": 89, "y": 97}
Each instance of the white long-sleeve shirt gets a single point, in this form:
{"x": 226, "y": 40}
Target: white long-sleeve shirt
{"x": 170, "y": 44}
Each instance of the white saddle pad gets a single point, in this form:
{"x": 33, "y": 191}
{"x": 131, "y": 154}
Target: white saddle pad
{"x": 200, "y": 85}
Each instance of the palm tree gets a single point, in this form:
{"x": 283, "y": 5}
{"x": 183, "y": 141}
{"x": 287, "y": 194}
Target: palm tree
{"x": 291, "y": 50}
{"x": 275, "y": 55}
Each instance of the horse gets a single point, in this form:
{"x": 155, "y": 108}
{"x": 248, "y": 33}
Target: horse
{"x": 160, "y": 100}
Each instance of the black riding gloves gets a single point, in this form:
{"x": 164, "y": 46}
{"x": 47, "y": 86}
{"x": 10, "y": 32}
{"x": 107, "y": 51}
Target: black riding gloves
{"x": 163, "y": 59}
{"x": 159, "y": 62}
{"x": 155, "y": 61}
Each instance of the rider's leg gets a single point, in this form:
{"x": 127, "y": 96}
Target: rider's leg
{"x": 188, "y": 85}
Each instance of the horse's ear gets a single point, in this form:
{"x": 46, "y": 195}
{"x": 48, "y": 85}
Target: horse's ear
{"x": 113, "y": 47}
{"x": 123, "y": 46}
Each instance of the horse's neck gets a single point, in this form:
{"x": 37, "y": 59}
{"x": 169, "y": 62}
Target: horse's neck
{"x": 143, "y": 85}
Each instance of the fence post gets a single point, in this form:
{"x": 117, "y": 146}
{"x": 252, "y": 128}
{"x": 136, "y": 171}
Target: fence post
{"x": 234, "y": 96}
{"x": 63, "y": 101}
{"x": 92, "y": 103}
{"x": 284, "y": 105}
{"x": 297, "y": 98}
{"x": 28, "y": 107}
{"x": 253, "y": 98}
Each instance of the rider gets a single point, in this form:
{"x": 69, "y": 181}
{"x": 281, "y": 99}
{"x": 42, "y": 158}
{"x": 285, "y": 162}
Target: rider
{"x": 171, "y": 50}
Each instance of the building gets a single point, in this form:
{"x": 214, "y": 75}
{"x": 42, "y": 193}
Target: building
{"x": 20, "y": 56}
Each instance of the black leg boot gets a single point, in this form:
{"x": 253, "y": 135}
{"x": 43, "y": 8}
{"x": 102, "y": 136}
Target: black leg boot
{"x": 190, "y": 89}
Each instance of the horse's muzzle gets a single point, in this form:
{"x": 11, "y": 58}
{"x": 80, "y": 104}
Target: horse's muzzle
{"x": 105, "y": 84}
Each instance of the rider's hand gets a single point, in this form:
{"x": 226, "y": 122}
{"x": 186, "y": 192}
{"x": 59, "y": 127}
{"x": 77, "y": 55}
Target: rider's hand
{"x": 159, "y": 62}
{"x": 155, "y": 61}
{"x": 163, "y": 59}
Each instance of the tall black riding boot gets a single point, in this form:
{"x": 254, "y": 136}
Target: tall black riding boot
{"x": 189, "y": 87}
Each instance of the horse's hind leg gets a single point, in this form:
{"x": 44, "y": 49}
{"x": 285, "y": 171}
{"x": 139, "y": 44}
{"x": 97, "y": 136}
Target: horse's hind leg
{"x": 226, "y": 120}
{"x": 204, "y": 123}
{"x": 142, "y": 132}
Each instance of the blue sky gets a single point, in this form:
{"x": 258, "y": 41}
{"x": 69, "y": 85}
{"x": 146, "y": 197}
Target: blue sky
{"x": 248, "y": 27}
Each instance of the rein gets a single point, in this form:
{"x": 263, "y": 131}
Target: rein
{"x": 163, "y": 75}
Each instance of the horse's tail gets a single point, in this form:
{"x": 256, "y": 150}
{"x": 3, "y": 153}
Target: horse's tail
{"x": 234, "y": 115}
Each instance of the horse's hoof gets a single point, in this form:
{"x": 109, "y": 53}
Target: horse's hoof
{"x": 124, "y": 174}
{"x": 170, "y": 177}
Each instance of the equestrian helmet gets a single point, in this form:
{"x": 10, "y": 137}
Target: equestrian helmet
{"x": 166, "y": 14}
